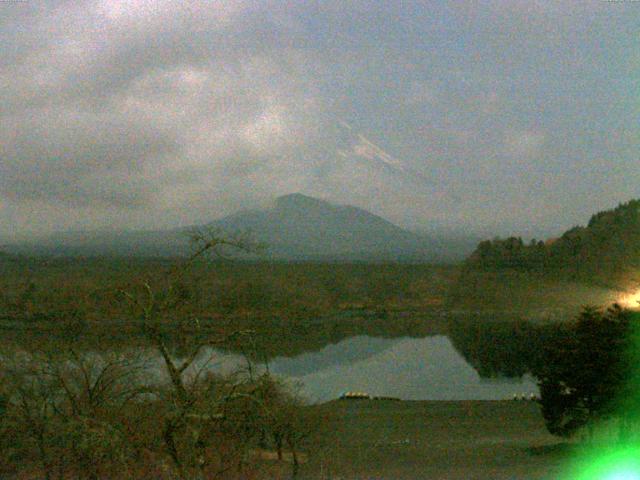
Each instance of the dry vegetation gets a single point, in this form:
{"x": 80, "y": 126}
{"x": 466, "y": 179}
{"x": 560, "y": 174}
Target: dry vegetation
{"x": 67, "y": 415}
{"x": 529, "y": 295}
{"x": 84, "y": 414}
{"x": 87, "y": 290}
{"x": 158, "y": 413}
{"x": 495, "y": 440}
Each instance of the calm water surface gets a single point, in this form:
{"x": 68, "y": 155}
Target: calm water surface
{"x": 427, "y": 368}
{"x": 410, "y": 368}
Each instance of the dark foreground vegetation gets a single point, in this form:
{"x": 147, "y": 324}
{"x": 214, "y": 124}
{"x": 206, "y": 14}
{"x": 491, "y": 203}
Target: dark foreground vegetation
{"x": 71, "y": 414}
{"x": 104, "y": 370}
{"x": 75, "y": 416}
{"x": 592, "y": 374}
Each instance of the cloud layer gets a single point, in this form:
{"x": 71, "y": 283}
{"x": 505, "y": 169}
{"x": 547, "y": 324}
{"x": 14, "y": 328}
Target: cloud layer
{"x": 506, "y": 116}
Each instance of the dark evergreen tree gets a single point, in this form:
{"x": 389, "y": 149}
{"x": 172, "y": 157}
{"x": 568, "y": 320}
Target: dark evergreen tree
{"x": 588, "y": 373}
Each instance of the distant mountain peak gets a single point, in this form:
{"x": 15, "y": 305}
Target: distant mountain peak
{"x": 297, "y": 227}
{"x": 299, "y": 200}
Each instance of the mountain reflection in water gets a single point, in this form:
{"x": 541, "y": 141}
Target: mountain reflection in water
{"x": 465, "y": 358}
{"x": 427, "y": 368}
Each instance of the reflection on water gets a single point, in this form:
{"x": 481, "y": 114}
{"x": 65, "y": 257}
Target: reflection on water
{"x": 410, "y": 368}
{"x": 467, "y": 358}
{"x": 427, "y": 368}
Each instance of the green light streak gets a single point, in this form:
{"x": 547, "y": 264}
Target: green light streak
{"x": 611, "y": 464}
{"x": 615, "y": 457}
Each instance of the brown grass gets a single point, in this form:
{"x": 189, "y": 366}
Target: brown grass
{"x": 435, "y": 440}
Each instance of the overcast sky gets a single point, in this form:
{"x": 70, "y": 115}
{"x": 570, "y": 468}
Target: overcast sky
{"x": 498, "y": 115}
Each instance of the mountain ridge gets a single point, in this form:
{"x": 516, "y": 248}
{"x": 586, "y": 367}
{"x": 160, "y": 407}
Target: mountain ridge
{"x": 297, "y": 227}
{"x": 301, "y": 226}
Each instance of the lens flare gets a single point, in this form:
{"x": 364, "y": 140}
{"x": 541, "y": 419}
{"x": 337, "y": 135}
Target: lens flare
{"x": 618, "y": 464}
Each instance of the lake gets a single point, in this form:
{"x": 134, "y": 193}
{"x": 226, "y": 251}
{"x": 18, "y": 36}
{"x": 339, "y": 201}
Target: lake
{"x": 428, "y": 368}
{"x": 327, "y": 360}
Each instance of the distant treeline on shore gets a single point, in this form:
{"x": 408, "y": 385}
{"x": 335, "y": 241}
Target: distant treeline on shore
{"x": 606, "y": 251}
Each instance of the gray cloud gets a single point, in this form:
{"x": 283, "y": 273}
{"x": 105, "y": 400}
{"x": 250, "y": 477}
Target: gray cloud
{"x": 157, "y": 113}
{"x": 72, "y": 157}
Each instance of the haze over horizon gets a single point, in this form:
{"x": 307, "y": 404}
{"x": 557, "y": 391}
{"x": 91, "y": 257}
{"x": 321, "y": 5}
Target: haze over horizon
{"x": 505, "y": 116}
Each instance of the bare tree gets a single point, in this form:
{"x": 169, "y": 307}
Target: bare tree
{"x": 94, "y": 415}
{"x": 69, "y": 406}
{"x": 152, "y": 306}
{"x": 30, "y": 412}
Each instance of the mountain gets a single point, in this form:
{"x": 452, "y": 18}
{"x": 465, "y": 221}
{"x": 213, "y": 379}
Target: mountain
{"x": 355, "y": 151}
{"x": 297, "y": 227}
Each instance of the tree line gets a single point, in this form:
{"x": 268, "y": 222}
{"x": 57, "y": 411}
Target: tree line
{"x": 609, "y": 246}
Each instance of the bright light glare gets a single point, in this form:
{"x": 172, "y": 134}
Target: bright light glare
{"x": 622, "y": 475}
{"x": 617, "y": 464}
{"x": 629, "y": 300}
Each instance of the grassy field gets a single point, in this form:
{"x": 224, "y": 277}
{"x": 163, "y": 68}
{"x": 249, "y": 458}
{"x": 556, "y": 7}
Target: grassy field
{"x": 87, "y": 289}
{"x": 533, "y": 296}
{"x": 435, "y": 440}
